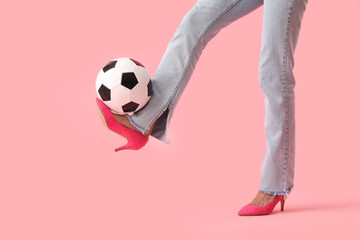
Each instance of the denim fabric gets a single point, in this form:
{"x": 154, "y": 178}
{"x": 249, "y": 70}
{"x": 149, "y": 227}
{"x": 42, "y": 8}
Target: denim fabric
{"x": 280, "y": 31}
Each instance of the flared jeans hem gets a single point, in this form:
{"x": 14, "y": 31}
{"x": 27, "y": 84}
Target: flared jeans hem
{"x": 275, "y": 192}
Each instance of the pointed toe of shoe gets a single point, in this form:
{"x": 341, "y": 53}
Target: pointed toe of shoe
{"x": 248, "y": 210}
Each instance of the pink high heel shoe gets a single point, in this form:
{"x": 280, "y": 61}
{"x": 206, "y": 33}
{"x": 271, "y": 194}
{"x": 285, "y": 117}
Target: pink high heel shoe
{"x": 135, "y": 140}
{"x": 252, "y": 210}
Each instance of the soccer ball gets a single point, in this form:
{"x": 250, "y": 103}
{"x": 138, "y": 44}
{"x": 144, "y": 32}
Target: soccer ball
{"x": 124, "y": 85}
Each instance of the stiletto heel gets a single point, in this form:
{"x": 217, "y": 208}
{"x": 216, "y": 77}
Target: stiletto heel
{"x": 135, "y": 140}
{"x": 282, "y": 204}
{"x": 252, "y": 210}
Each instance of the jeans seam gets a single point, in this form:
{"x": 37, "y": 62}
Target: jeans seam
{"x": 285, "y": 59}
{"x": 188, "y": 62}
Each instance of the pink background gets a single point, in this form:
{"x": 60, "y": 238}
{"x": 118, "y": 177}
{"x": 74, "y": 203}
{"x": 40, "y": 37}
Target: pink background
{"x": 61, "y": 179}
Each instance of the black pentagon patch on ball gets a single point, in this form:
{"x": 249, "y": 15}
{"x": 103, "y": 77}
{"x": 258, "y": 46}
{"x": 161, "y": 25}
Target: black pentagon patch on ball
{"x": 129, "y": 80}
{"x": 109, "y": 65}
{"x": 149, "y": 88}
{"x": 130, "y": 107}
{"x": 137, "y": 62}
{"x": 104, "y": 93}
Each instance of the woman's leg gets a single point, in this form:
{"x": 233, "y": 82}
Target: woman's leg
{"x": 281, "y": 26}
{"x": 196, "y": 29}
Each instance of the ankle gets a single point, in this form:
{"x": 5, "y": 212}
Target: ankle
{"x": 123, "y": 120}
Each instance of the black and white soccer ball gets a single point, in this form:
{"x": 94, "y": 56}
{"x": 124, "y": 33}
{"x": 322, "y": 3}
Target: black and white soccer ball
{"x": 124, "y": 85}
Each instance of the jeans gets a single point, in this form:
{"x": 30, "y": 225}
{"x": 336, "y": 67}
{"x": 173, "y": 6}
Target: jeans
{"x": 280, "y": 31}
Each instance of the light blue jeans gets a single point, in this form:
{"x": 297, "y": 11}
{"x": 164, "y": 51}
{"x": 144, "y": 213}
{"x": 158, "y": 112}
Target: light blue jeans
{"x": 280, "y": 31}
